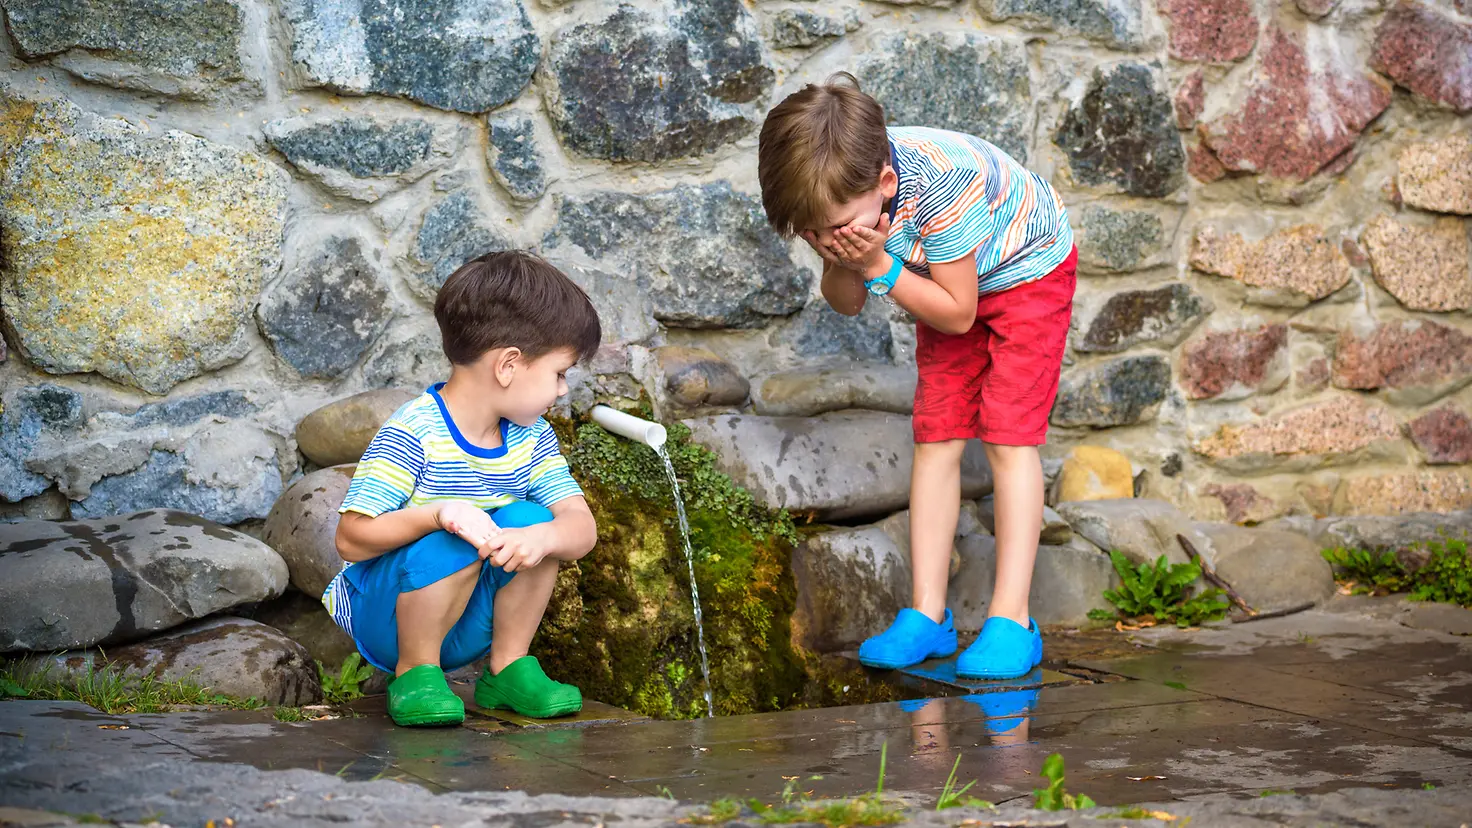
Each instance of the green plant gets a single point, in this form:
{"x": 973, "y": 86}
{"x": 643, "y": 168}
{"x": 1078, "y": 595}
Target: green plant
{"x": 1053, "y": 797}
{"x": 1270, "y": 792}
{"x": 1161, "y": 591}
{"x": 347, "y": 684}
{"x": 950, "y": 797}
{"x": 113, "y": 690}
{"x": 1446, "y": 575}
{"x": 1427, "y": 786}
{"x": 289, "y": 714}
{"x": 869, "y": 809}
{"x": 722, "y": 810}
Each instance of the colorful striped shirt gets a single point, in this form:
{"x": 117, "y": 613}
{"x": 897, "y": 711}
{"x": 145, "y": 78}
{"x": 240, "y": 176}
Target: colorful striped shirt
{"x": 958, "y": 194}
{"x": 419, "y": 456}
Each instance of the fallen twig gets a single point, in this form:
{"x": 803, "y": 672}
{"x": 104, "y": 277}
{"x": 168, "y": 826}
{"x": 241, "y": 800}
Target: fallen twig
{"x": 1242, "y": 619}
{"x": 1210, "y": 575}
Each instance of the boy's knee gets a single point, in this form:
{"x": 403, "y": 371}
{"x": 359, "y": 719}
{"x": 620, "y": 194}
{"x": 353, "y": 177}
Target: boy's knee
{"x": 521, "y": 513}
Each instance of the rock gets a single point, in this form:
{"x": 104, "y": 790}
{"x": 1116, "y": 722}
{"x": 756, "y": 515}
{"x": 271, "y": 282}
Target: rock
{"x": 340, "y": 431}
{"x": 1210, "y": 31}
{"x": 1437, "y": 175}
{"x": 1243, "y": 503}
{"x": 329, "y": 308}
{"x": 1122, "y": 134}
{"x": 1141, "y": 530}
{"x": 624, "y": 311}
{"x": 958, "y": 80}
{"x": 1067, "y": 582}
{"x": 232, "y": 657}
{"x": 457, "y": 55}
{"x": 363, "y": 157}
{"x": 1449, "y": 619}
{"x": 699, "y": 72}
{"x": 820, "y": 331}
{"x": 455, "y": 230}
{"x": 1118, "y": 241}
{"x": 1439, "y": 490}
{"x": 171, "y": 47}
{"x": 799, "y": 28}
{"x": 1425, "y": 268}
{"x": 1118, "y": 392}
{"x": 1313, "y": 376}
{"x": 1338, "y": 430}
{"x": 1381, "y": 533}
{"x": 1316, "y": 8}
{"x": 852, "y": 582}
{"x": 1094, "y": 473}
{"x": 1302, "y": 110}
{"x": 409, "y": 355}
{"x": 1298, "y": 265}
{"x": 1233, "y": 364}
{"x": 1203, "y": 165}
{"x": 26, "y": 416}
{"x": 705, "y": 254}
{"x": 514, "y": 157}
{"x": 1428, "y": 51}
{"x": 1270, "y": 569}
{"x": 695, "y": 377}
{"x": 1162, "y": 316}
{"x": 1443, "y": 435}
{"x": 812, "y": 465}
{"x": 808, "y": 391}
{"x": 302, "y": 527}
{"x": 82, "y": 203}
{"x": 303, "y": 619}
{"x": 117, "y": 579}
{"x": 1413, "y": 362}
{"x": 1118, "y": 24}
{"x": 1190, "y": 99}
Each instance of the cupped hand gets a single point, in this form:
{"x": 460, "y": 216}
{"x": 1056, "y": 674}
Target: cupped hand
{"x": 861, "y": 248}
{"x": 466, "y": 520}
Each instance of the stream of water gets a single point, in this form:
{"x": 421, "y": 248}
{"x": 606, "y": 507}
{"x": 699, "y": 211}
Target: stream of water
{"x": 669, "y": 470}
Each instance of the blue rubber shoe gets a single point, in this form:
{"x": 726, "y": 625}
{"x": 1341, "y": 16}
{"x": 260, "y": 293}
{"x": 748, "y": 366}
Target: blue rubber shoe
{"x": 1005, "y": 711}
{"x": 911, "y": 639}
{"x": 1004, "y": 650}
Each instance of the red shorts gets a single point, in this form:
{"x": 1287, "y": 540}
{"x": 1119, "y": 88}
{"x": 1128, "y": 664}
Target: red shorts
{"x": 998, "y": 380}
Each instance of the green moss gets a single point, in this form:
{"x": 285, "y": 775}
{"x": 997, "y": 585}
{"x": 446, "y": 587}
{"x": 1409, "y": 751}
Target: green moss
{"x": 621, "y": 625}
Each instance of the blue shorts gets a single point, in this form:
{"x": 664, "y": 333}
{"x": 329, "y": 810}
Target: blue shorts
{"x": 374, "y": 587}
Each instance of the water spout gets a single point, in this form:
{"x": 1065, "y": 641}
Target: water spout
{"x": 628, "y": 426}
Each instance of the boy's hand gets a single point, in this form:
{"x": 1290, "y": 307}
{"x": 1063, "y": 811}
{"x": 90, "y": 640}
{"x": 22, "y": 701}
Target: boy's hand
{"x": 462, "y": 518}
{"x": 861, "y": 248}
{"x": 829, "y": 254}
{"x": 517, "y": 549}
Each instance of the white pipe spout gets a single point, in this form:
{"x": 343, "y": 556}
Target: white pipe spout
{"x": 628, "y": 426}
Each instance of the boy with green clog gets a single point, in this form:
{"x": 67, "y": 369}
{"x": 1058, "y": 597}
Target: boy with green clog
{"x": 462, "y": 505}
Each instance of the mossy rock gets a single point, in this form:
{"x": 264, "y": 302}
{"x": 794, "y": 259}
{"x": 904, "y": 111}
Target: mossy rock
{"x": 621, "y": 625}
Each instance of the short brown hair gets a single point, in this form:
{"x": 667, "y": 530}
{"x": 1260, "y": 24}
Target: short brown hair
{"x": 514, "y": 299}
{"x": 822, "y": 146}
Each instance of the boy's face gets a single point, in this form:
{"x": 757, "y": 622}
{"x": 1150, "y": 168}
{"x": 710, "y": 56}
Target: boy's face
{"x": 861, "y": 211}
{"x": 537, "y": 384}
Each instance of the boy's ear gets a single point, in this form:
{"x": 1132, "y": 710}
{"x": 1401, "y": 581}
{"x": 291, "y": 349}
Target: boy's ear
{"x": 508, "y": 362}
{"x": 889, "y": 181}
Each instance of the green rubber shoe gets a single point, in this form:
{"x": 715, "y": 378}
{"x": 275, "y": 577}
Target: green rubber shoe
{"x": 422, "y": 698}
{"x": 524, "y": 688}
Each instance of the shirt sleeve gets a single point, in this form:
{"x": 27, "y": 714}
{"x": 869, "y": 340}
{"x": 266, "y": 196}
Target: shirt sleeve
{"x": 551, "y": 479}
{"x": 953, "y": 216}
{"x": 387, "y": 473}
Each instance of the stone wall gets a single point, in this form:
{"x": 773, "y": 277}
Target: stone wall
{"x": 217, "y": 216}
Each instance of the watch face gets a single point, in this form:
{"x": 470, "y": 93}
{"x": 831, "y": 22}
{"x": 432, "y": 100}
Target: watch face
{"x": 880, "y": 288}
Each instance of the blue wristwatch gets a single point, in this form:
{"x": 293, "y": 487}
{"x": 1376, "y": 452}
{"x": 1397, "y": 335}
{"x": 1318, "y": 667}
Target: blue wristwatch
{"x": 884, "y": 284}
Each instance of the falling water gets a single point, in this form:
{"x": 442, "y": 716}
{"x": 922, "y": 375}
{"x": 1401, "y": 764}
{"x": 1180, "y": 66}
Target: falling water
{"x": 669, "y": 470}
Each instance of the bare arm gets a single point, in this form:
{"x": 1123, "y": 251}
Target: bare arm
{"x": 362, "y": 538}
{"x": 946, "y": 301}
{"x": 569, "y": 536}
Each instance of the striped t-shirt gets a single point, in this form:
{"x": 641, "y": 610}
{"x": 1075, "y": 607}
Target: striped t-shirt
{"x": 419, "y": 456}
{"x": 958, "y": 194}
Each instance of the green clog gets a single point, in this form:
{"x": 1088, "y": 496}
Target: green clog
{"x": 524, "y": 688}
{"x": 422, "y": 698}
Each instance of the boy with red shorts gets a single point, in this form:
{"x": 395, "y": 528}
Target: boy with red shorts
{"x": 979, "y": 251}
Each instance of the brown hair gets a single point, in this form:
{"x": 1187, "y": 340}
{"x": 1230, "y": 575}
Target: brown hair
{"x": 514, "y": 299}
{"x": 822, "y": 146}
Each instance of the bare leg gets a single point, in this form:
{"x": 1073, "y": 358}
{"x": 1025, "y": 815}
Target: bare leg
{"x": 1018, "y": 472}
{"x": 518, "y": 612}
{"x": 935, "y": 506}
{"x": 425, "y": 616}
